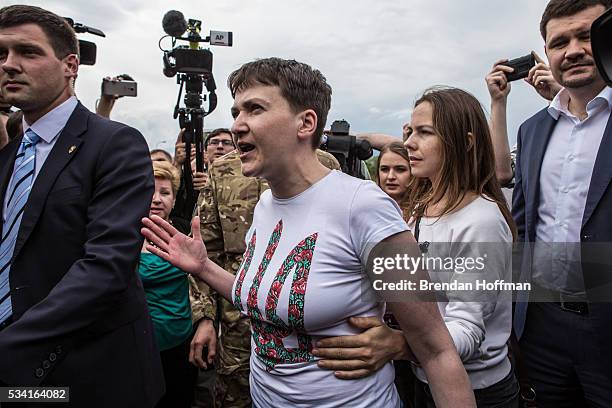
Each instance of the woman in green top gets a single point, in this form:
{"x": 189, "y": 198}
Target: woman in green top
{"x": 167, "y": 291}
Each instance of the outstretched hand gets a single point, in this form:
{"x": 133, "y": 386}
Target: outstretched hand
{"x": 165, "y": 241}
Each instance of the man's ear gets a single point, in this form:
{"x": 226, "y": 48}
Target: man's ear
{"x": 307, "y": 124}
{"x": 71, "y": 65}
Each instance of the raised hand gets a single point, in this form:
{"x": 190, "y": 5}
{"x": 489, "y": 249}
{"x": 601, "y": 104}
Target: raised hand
{"x": 179, "y": 149}
{"x": 540, "y": 77}
{"x": 497, "y": 82}
{"x": 199, "y": 178}
{"x": 186, "y": 253}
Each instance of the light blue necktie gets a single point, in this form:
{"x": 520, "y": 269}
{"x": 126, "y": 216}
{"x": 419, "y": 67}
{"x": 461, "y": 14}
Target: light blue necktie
{"x": 17, "y": 193}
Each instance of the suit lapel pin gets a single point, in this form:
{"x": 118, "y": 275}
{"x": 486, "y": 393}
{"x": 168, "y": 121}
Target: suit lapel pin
{"x": 72, "y": 149}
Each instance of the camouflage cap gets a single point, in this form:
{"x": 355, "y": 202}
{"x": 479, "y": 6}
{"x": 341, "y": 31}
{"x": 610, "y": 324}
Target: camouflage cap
{"x": 328, "y": 160}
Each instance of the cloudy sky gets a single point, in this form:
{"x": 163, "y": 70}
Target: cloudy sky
{"x": 378, "y": 56}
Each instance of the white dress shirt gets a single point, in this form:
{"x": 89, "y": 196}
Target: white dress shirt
{"x": 567, "y": 167}
{"x": 47, "y": 128}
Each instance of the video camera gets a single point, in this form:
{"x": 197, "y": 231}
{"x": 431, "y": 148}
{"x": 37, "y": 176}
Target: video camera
{"x": 347, "y": 148}
{"x": 87, "y": 49}
{"x": 601, "y": 32}
{"x": 193, "y": 65}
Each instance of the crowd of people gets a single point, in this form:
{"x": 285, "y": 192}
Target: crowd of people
{"x": 149, "y": 283}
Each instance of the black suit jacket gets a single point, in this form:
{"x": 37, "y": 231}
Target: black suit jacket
{"x": 596, "y": 228}
{"x": 78, "y": 304}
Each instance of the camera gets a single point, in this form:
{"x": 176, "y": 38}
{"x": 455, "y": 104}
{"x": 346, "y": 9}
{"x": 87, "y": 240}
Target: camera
{"x": 119, "y": 88}
{"x": 190, "y": 59}
{"x": 87, "y": 49}
{"x": 192, "y": 65}
{"x": 521, "y": 66}
{"x": 601, "y": 32}
{"x": 347, "y": 149}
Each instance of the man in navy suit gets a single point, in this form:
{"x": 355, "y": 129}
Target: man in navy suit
{"x": 73, "y": 189}
{"x": 562, "y": 205}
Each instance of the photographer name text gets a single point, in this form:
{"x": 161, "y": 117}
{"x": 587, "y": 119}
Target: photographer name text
{"x": 499, "y": 285}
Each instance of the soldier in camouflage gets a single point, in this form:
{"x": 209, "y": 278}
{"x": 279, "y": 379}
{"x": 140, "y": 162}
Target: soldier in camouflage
{"x": 226, "y": 212}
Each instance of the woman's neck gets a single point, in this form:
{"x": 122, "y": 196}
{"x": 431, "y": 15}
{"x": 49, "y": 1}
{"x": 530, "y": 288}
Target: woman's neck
{"x": 437, "y": 209}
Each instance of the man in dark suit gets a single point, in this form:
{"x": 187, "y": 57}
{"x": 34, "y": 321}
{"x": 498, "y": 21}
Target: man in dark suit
{"x": 73, "y": 189}
{"x": 562, "y": 205}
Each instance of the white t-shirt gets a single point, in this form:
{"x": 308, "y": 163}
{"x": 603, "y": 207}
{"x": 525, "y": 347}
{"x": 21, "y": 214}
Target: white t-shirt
{"x": 480, "y": 329}
{"x": 301, "y": 279}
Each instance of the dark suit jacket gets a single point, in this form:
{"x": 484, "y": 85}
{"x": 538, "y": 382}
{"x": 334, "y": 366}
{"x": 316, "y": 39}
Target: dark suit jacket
{"x": 596, "y": 229}
{"x": 78, "y": 304}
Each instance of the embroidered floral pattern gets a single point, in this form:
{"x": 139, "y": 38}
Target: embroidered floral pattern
{"x": 300, "y": 258}
{"x": 268, "y": 337}
{"x": 248, "y": 256}
{"x": 268, "y": 334}
{"x": 252, "y": 309}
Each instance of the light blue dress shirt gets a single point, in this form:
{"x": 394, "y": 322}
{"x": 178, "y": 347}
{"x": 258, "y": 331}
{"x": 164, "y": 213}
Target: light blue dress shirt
{"x": 47, "y": 128}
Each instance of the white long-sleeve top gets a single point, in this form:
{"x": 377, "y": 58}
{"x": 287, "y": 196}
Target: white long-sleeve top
{"x": 479, "y": 321}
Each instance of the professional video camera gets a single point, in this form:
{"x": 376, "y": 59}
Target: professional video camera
{"x": 347, "y": 148}
{"x": 87, "y": 49}
{"x": 193, "y": 65}
{"x": 601, "y": 32}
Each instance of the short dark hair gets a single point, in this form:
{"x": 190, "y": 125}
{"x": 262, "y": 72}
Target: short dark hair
{"x": 564, "y": 8}
{"x": 61, "y": 35}
{"x": 216, "y": 133}
{"x": 301, "y": 85}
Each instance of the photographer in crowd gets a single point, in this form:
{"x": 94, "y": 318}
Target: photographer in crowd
{"x": 106, "y": 103}
{"x": 541, "y": 79}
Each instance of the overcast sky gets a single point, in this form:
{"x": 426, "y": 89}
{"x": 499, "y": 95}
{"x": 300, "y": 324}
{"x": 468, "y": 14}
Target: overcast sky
{"x": 378, "y": 56}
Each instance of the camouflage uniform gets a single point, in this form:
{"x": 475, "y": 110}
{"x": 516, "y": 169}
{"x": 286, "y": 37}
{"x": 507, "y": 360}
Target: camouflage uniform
{"x": 226, "y": 213}
{"x": 203, "y": 305}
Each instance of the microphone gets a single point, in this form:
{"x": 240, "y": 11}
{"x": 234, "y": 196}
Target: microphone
{"x": 174, "y": 23}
